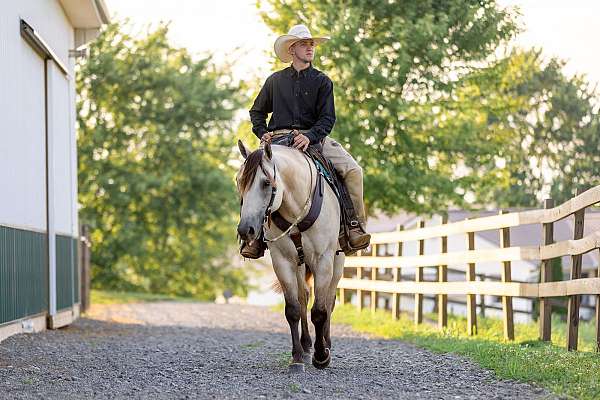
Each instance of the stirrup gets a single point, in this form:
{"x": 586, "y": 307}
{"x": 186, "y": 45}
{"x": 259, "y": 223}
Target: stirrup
{"x": 365, "y": 239}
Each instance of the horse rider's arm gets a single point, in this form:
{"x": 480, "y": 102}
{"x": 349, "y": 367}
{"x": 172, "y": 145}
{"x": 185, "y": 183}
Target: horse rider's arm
{"x": 263, "y": 105}
{"x": 325, "y": 111}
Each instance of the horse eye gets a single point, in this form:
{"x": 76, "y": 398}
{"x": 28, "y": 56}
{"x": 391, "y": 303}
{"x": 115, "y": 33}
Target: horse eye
{"x": 266, "y": 184}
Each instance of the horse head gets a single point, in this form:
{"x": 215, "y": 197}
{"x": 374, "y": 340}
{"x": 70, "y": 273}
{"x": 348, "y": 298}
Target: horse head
{"x": 257, "y": 185}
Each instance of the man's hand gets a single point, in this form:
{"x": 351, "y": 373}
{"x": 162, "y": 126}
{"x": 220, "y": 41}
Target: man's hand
{"x": 301, "y": 142}
{"x": 266, "y": 138}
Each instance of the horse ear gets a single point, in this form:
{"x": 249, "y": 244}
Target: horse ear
{"x": 242, "y": 148}
{"x": 268, "y": 151}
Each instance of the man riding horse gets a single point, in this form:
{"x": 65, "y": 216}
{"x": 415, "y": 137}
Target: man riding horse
{"x": 300, "y": 98}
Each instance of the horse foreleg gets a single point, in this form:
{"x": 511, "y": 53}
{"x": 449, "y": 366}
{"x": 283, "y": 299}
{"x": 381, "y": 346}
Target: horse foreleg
{"x": 292, "y": 314}
{"x": 303, "y": 297}
{"x": 287, "y": 278}
{"x": 320, "y": 310}
{"x": 338, "y": 272}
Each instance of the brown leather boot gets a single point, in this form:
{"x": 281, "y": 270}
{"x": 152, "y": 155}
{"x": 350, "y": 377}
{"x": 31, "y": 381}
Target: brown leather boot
{"x": 358, "y": 238}
{"x": 254, "y": 249}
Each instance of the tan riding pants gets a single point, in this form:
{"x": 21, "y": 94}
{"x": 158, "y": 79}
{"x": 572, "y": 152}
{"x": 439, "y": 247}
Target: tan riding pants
{"x": 350, "y": 171}
{"x": 347, "y": 167}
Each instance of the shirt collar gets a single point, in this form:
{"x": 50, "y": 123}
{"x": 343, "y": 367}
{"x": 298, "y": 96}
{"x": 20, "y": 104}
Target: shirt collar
{"x": 303, "y": 73}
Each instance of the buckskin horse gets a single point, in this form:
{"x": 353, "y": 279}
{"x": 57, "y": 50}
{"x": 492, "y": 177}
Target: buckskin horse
{"x": 279, "y": 181}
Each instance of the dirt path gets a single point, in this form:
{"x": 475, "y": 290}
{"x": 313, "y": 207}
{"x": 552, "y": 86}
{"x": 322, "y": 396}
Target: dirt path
{"x": 196, "y": 350}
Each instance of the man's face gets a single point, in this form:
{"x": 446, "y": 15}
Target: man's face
{"x": 303, "y": 50}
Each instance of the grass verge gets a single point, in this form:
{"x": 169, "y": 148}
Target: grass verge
{"x": 108, "y": 297}
{"x": 572, "y": 374}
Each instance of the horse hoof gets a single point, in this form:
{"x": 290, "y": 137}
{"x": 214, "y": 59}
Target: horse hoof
{"x": 322, "y": 364}
{"x": 306, "y": 358}
{"x": 296, "y": 368}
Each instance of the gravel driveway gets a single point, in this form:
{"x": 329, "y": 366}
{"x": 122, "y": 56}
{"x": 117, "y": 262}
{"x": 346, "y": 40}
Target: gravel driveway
{"x": 197, "y": 350}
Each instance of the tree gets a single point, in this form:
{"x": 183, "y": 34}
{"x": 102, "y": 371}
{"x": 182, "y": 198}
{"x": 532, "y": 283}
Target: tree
{"x": 561, "y": 133}
{"x": 154, "y": 139}
{"x": 553, "y": 131}
{"x": 406, "y": 105}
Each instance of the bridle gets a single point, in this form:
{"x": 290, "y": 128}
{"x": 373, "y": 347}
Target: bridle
{"x": 273, "y": 182}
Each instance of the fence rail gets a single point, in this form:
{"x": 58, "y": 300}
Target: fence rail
{"x": 505, "y": 255}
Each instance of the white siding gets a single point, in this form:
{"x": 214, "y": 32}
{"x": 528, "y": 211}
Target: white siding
{"x": 22, "y": 131}
{"x": 73, "y": 147}
{"x": 61, "y": 137}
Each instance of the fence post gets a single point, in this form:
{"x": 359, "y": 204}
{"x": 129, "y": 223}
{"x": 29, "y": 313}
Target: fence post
{"x": 598, "y": 310}
{"x": 419, "y": 278}
{"x": 397, "y": 276}
{"x": 342, "y": 292}
{"x": 359, "y": 275}
{"x": 471, "y": 302}
{"x": 373, "y": 278}
{"x": 507, "y": 305}
{"x": 85, "y": 260}
{"x": 574, "y": 300}
{"x": 443, "y": 277}
{"x": 546, "y": 276}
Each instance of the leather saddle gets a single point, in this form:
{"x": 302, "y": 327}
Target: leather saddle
{"x": 326, "y": 171}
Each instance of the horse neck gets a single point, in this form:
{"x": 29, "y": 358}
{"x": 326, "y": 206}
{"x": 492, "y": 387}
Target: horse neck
{"x": 295, "y": 174}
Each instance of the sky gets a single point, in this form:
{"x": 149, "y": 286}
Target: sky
{"x": 566, "y": 29}
{"x": 223, "y": 28}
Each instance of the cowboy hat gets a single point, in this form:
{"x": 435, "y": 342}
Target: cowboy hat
{"x": 297, "y": 33}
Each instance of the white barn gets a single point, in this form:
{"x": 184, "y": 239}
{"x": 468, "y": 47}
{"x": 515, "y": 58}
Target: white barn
{"x": 39, "y": 274}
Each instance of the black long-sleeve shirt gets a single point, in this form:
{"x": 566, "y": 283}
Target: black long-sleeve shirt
{"x": 301, "y": 100}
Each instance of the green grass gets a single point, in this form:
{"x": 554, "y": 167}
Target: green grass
{"x": 574, "y": 374}
{"x": 283, "y": 358}
{"x": 108, "y": 297}
{"x": 253, "y": 345}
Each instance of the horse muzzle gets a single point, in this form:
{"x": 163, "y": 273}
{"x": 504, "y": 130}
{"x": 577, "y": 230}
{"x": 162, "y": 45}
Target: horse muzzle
{"x": 248, "y": 231}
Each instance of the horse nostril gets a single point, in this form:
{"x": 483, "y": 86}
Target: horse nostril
{"x": 242, "y": 231}
{"x": 251, "y": 231}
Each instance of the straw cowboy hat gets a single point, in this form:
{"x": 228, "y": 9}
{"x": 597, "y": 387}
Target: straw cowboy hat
{"x": 297, "y": 33}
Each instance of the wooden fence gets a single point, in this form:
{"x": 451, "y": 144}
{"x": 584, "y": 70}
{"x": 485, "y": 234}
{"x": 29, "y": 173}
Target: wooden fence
{"x": 85, "y": 257}
{"x": 506, "y": 254}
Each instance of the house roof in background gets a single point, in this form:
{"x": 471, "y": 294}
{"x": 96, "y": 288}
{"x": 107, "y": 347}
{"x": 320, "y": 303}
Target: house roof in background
{"x": 384, "y": 223}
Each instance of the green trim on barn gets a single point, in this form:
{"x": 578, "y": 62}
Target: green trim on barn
{"x": 23, "y": 273}
{"x": 67, "y": 274}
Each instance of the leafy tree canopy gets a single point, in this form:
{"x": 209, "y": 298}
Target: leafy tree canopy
{"x": 154, "y": 137}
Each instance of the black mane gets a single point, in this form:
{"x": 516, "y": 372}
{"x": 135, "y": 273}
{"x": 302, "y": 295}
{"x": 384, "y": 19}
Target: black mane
{"x": 251, "y": 165}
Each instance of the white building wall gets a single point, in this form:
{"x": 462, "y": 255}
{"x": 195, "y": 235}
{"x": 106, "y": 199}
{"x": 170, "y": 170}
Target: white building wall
{"x": 22, "y": 125}
{"x": 59, "y": 96}
{"x": 73, "y": 159}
